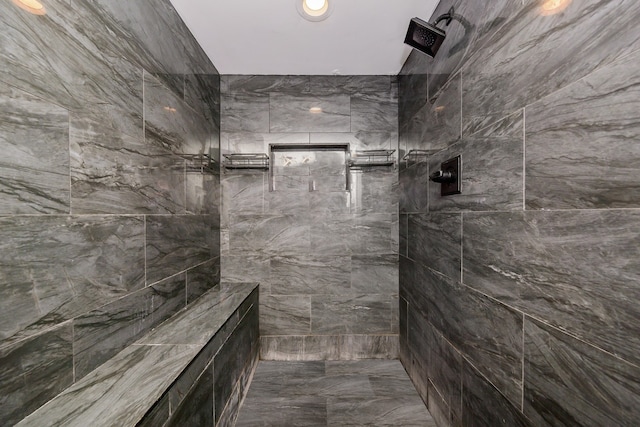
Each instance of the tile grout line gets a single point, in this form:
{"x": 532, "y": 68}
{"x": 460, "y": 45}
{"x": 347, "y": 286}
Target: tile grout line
{"x": 524, "y": 158}
{"x": 522, "y": 385}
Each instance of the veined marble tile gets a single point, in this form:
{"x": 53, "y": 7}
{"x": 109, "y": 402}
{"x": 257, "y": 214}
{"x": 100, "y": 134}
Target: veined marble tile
{"x": 328, "y": 204}
{"x": 488, "y": 333}
{"x": 356, "y": 314}
{"x": 203, "y": 192}
{"x": 492, "y": 169}
{"x": 178, "y": 242}
{"x": 255, "y": 142}
{"x": 114, "y": 170}
{"x": 194, "y": 326}
{"x": 374, "y": 191}
{"x": 157, "y": 36}
{"x": 99, "y": 334}
{"x": 291, "y": 113}
{"x": 286, "y": 348}
{"x": 413, "y": 188}
{"x": 230, "y": 362}
{"x": 238, "y": 268}
{"x": 243, "y": 193}
{"x": 55, "y": 268}
{"x": 264, "y": 84}
{"x": 322, "y": 347}
{"x": 374, "y": 112}
{"x": 403, "y": 230}
{"x": 34, "y": 170}
{"x": 374, "y": 274}
{"x": 310, "y": 275}
{"x": 445, "y": 371}
{"x": 273, "y": 234}
{"x": 573, "y": 43}
{"x": 157, "y": 415}
{"x": 379, "y": 411}
{"x": 202, "y": 93}
{"x": 171, "y": 123}
{"x": 439, "y": 409}
{"x": 435, "y": 241}
{"x": 369, "y": 346}
{"x": 581, "y": 150}
{"x": 442, "y": 115}
{"x": 202, "y": 278}
{"x": 134, "y": 390}
{"x": 361, "y": 140}
{"x": 334, "y": 235}
{"x": 576, "y": 270}
{"x": 570, "y": 382}
{"x": 484, "y": 406}
{"x": 374, "y": 233}
{"x": 290, "y": 196}
{"x": 349, "y": 84}
{"x": 33, "y": 371}
{"x": 245, "y": 112}
{"x": 197, "y": 406}
{"x": 412, "y": 89}
{"x": 283, "y": 411}
{"x": 285, "y": 315}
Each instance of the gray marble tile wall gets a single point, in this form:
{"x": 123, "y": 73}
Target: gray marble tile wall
{"x": 326, "y": 258}
{"x": 518, "y": 297}
{"x": 104, "y": 231}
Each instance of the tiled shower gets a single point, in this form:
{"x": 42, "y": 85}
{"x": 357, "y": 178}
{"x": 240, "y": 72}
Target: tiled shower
{"x": 513, "y": 303}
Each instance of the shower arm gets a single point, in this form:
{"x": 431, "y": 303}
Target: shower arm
{"x": 447, "y": 16}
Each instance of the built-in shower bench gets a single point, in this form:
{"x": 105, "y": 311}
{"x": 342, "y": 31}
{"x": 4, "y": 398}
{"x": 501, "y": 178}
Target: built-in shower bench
{"x": 190, "y": 370}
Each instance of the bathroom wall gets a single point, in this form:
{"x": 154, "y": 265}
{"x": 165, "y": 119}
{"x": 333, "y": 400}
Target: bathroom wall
{"x": 519, "y": 297}
{"x": 104, "y": 229}
{"x": 326, "y": 258}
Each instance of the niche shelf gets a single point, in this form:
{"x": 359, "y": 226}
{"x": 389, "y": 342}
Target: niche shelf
{"x": 246, "y": 161}
{"x": 201, "y": 163}
{"x": 342, "y": 147}
{"x": 372, "y": 158}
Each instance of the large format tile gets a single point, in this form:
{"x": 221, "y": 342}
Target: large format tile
{"x": 573, "y": 43}
{"x": 378, "y": 411}
{"x": 568, "y": 382}
{"x": 196, "y": 408}
{"x": 374, "y": 274}
{"x": 55, "y": 268}
{"x": 435, "y": 241}
{"x": 581, "y": 150}
{"x": 483, "y": 405}
{"x": 100, "y": 334}
{"x": 291, "y": 113}
{"x": 133, "y": 391}
{"x": 359, "y": 314}
{"x": 285, "y": 315}
{"x": 33, "y": 371}
{"x": 374, "y": 112}
{"x": 34, "y": 172}
{"x": 320, "y": 84}
{"x": 577, "y": 270}
{"x": 244, "y": 112}
{"x": 309, "y": 275}
{"x": 202, "y": 278}
{"x": 492, "y": 176}
{"x": 487, "y": 332}
{"x": 272, "y": 234}
{"x": 178, "y": 242}
{"x": 264, "y": 84}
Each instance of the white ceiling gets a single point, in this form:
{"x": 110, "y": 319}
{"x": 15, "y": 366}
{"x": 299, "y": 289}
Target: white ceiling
{"x": 270, "y": 37}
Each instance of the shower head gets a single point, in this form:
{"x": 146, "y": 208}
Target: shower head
{"x": 425, "y": 37}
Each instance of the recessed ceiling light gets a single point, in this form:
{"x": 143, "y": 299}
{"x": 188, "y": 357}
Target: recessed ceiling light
{"x": 551, "y": 7}
{"x": 314, "y": 10}
{"x": 315, "y": 110}
{"x": 31, "y": 6}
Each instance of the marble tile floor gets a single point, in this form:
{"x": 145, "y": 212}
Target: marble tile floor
{"x": 333, "y": 393}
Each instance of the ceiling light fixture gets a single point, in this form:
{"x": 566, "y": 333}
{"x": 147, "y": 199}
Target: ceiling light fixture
{"x": 31, "y": 6}
{"x": 551, "y": 7}
{"x": 314, "y": 10}
{"x": 315, "y": 110}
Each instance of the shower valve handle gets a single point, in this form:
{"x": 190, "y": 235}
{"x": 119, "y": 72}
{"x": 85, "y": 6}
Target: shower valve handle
{"x": 443, "y": 177}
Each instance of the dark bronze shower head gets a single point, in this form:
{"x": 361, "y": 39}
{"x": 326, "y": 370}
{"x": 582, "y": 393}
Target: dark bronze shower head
{"x": 425, "y": 37}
